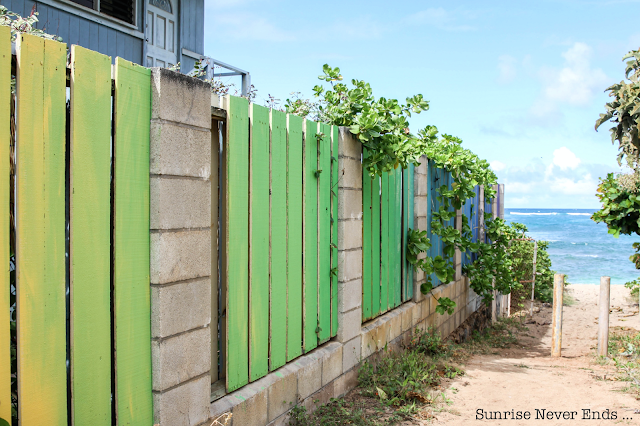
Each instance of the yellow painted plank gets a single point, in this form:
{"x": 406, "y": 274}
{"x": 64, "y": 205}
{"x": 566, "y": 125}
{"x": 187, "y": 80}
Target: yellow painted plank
{"x": 5, "y": 137}
{"x": 40, "y": 231}
{"x": 131, "y": 291}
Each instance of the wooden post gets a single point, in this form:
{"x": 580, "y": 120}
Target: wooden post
{"x": 556, "y": 337}
{"x": 603, "y": 321}
{"x": 533, "y": 278}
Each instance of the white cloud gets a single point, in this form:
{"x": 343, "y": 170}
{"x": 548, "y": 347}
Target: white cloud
{"x": 565, "y": 158}
{"x": 250, "y": 27}
{"x": 442, "y": 19}
{"x": 574, "y": 84}
{"x": 563, "y": 182}
{"x": 583, "y": 185}
{"x": 497, "y": 165}
{"x": 356, "y": 28}
{"x": 507, "y": 68}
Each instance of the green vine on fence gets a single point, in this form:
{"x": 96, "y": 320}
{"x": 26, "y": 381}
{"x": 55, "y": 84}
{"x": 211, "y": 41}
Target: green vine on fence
{"x": 491, "y": 271}
{"x": 382, "y": 126}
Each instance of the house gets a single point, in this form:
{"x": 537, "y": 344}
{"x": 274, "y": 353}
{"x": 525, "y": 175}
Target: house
{"x": 153, "y": 33}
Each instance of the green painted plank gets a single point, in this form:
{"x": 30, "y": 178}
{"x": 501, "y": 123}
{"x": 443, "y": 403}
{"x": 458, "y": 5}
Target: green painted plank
{"x": 90, "y": 236}
{"x": 391, "y": 204}
{"x": 237, "y": 242}
{"x": 410, "y": 225}
{"x": 259, "y": 244}
{"x": 384, "y": 244}
{"x": 131, "y": 291}
{"x": 375, "y": 246}
{"x": 405, "y": 225}
{"x": 278, "y": 190}
{"x": 366, "y": 242}
{"x": 334, "y": 230}
{"x": 324, "y": 234}
{"x": 40, "y": 232}
{"x": 5, "y": 137}
{"x": 294, "y": 236}
{"x": 398, "y": 236}
{"x": 310, "y": 182}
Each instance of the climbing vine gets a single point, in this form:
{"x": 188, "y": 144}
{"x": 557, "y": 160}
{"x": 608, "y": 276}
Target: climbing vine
{"x": 382, "y": 126}
{"x": 492, "y": 269}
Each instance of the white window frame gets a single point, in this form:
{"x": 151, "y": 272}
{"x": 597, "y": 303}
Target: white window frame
{"x": 97, "y": 17}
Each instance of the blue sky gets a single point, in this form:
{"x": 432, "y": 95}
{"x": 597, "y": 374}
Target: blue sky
{"x": 521, "y": 83}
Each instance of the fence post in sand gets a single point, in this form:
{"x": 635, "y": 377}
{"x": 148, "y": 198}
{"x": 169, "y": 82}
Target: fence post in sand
{"x": 603, "y": 320}
{"x": 556, "y": 336}
{"x": 533, "y": 277}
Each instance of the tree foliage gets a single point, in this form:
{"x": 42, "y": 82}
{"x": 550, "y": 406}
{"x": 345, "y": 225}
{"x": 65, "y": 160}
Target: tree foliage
{"x": 380, "y": 124}
{"x": 624, "y": 112}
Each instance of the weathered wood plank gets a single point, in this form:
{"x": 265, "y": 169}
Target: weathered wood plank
{"x": 334, "y": 230}
{"x": 40, "y": 231}
{"x": 131, "y": 292}
{"x": 367, "y": 264}
{"x": 324, "y": 233}
{"x": 398, "y": 236}
{"x": 294, "y": 236}
{"x": 278, "y": 255}
{"x": 259, "y": 243}
{"x": 410, "y": 225}
{"x": 393, "y": 267}
{"x": 384, "y": 244}
{"x": 237, "y": 242}
{"x": 405, "y": 226}
{"x": 5, "y": 253}
{"x": 310, "y": 207}
{"x": 375, "y": 246}
{"x": 90, "y": 239}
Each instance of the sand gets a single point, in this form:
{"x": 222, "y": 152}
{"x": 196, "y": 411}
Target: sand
{"x": 526, "y": 378}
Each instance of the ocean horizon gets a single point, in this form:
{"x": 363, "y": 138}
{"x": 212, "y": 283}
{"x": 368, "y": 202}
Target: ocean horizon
{"x": 579, "y": 247}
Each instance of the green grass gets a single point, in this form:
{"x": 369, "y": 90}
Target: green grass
{"x": 624, "y": 355}
{"x": 400, "y": 386}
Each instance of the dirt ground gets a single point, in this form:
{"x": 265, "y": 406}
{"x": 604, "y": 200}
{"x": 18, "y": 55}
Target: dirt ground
{"x": 526, "y": 378}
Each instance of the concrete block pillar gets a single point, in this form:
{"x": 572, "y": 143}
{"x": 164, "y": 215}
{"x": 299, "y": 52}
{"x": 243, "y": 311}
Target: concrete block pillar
{"x": 180, "y": 180}
{"x": 420, "y": 208}
{"x": 349, "y": 238}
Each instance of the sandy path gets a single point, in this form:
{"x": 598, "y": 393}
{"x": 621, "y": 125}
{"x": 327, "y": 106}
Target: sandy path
{"x": 527, "y": 378}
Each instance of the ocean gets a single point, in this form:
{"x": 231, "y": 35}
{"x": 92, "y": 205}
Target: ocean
{"x": 579, "y": 247}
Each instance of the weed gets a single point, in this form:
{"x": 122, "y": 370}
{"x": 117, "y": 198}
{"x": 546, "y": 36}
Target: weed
{"x": 400, "y": 386}
{"x": 624, "y": 355}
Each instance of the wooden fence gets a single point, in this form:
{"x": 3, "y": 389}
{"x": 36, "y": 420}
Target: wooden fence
{"x": 279, "y": 239}
{"x": 82, "y": 303}
{"x": 387, "y": 204}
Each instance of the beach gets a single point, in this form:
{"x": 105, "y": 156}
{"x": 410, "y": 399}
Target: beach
{"x": 526, "y": 378}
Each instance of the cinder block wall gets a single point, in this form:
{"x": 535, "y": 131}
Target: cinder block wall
{"x": 180, "y": 171}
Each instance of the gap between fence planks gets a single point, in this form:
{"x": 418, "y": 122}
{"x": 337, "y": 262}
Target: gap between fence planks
{"x": 5, "y": 282}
